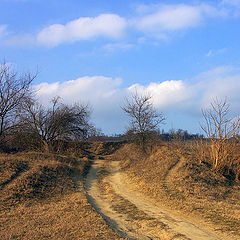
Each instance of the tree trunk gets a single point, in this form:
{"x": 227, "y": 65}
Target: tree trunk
{"x": 45, "y": 146}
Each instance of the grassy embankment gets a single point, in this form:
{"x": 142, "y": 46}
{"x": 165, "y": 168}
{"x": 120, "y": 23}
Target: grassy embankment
{"x": 42, "y": 197}
{"x": 173, "y": 176}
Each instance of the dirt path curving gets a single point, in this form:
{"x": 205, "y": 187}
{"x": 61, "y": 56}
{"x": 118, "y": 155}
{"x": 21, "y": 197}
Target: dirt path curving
{"x": 131, "y": 214}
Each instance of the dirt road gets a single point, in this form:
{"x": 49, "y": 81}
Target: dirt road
{"x": 132, "y": 214}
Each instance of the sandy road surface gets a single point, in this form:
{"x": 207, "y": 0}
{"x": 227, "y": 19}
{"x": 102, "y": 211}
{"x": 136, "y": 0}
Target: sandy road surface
{"x": 131, "y": 214}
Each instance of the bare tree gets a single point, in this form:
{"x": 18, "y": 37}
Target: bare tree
{"x": 143, "y": 116}
{"x": 14, "y": 90}
{"x": 58, "y": 122}
{"x": 220, "y": 129}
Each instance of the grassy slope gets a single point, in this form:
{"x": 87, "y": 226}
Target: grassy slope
{"x": 175, "y": 178}
{"x": 42, "y": 197}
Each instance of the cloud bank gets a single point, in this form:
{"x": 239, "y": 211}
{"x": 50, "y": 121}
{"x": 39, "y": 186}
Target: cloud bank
{"x": 106, "y": 95}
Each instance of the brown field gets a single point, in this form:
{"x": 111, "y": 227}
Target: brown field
{"x": 173, "y": 176}
{"x": 42, "y": 197}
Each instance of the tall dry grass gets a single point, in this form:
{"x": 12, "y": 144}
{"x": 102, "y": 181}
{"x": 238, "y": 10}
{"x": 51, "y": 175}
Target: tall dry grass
{"x": 227, "y": 153}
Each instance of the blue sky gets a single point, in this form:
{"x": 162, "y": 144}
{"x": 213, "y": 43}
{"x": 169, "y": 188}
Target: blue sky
{"x": 184, "y": 53}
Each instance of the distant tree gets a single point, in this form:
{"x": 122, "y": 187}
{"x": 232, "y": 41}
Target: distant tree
{"x": 221, "y": 130}
{"x": 14, "y": 91}
{"x": 143, "y": 116}
{"x": 182, "y": 135}
{"x": 57, "y": 122}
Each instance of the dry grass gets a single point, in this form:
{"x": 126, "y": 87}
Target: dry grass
{"x": 104, "y": 148}
{"x": 173, "y": 176}
{"x": 42, "y": 197}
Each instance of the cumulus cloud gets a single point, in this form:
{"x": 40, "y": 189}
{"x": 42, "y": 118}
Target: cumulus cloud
{"x": 83, "y": 28}
{"x": 165, "y": 94}
{"x": 170, "y": 94}
{"x": 158, "y": 19}
{"x": 170, "y": 18}
{"x": 90, "y": 88}
{"x": 100, "y": 91}
{"x": 106, "y": 95}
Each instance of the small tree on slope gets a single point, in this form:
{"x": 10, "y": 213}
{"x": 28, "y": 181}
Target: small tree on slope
{"x": 221, "y": 130}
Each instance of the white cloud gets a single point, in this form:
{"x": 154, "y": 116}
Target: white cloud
{"x": 154, "y": 20}
{"x": 84, "y": 28}
{"x": 99, "y": 90}
{"x": 190, "y": 96}
{"x": 103, "y": 91}
{"x": 170, "y": 18}
{"x": 165, "y": 94}
{"x": 161, "y": 19}
{"x": 94, "y": 89}
{"x": 184, "y": 97}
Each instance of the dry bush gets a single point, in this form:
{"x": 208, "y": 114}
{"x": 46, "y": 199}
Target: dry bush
{"x": 221, "y": 131}
{"x": 59, "y": 122}
{"x": 229, "y": 165}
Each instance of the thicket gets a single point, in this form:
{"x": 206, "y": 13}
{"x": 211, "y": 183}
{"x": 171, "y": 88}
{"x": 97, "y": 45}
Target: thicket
{"x": 25, "y": 124}
{"x": 221, "y": 146}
